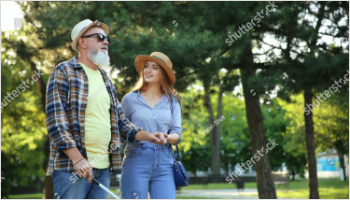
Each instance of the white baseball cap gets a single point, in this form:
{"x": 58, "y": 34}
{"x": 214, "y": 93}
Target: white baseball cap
{"x": 81, "y": 27}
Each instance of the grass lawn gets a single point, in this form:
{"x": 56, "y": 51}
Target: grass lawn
{"x": 328, "y": 189}
{"x": 28, "y": 196}
{"x": 292, "y": 185}
{"x": 325, "y": 193}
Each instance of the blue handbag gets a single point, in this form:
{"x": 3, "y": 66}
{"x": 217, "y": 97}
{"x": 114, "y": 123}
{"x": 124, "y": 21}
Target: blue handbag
{"x": 180, "y": 173}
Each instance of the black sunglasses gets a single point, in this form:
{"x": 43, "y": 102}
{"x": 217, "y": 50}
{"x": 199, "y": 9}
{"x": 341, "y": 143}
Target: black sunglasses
{"x": 100, "y": 37}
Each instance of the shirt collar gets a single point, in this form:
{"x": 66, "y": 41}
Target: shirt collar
{"x": 138, "y": 93}
{"x": 74, "y": 62}
{"x": 139, "y": 96}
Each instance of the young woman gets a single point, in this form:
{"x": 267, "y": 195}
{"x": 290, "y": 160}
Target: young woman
{"x": 148, "y": 167}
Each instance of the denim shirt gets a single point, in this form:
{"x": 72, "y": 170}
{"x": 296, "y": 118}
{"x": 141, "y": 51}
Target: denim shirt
{"x": 156, "y": 119}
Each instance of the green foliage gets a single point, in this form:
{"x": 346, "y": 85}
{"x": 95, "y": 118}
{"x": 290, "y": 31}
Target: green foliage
{"x": 332, "y": 122}
{"x": 193, "y": 35}
{"x": 275, "y": 124}
{"x": 22, "y": 126}
{"x": 235, "y": 142}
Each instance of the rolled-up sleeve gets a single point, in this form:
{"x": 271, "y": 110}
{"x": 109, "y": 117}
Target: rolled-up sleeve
{"x": 176, "y": 126}
{"x": 125, "y": 107}
{"x": 55, "y": 111}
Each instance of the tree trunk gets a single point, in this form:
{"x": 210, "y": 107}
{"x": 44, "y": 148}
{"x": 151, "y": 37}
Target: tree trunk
{"x": 214, "y": 133}
{"x": 217, "y": 136}
{"x": 310, "y": 146}
{"x": 46, "y": 149}
{"x": 266, "y": 187}
{"x": 341, "y": 161}
{"x": 293, "y": 175}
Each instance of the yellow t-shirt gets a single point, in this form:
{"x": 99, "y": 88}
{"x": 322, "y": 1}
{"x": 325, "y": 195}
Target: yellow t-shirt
{"x": 97, "y": 120}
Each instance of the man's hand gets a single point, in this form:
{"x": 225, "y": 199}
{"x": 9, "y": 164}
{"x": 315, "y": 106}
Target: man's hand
{"x": 158, "y": 138}
{"x": 84, "y": 169}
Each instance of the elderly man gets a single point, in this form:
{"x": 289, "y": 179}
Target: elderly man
{"x": 85, "y": 121}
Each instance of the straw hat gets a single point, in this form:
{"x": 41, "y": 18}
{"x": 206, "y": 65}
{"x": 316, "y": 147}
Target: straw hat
{"x": 161, "y": 59}
{"x": 81, "y": 27}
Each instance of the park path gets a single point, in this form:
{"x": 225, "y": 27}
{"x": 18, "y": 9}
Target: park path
{"x": 215, "y": 193}
{"x": 219, "y": 193}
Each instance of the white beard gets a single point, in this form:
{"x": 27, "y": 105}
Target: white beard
{"x": 99, "y": 58}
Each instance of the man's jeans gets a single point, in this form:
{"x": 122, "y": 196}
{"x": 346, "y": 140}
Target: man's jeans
{"x": 72, "y": 186}
{"x": 149, "y": 168}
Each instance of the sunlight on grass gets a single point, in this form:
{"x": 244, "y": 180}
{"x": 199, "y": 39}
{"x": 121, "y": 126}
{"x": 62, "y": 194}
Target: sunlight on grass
{"x": 328, "y": 189}
{"x": 28, "y": 196}
{"x": 325, "y": 193}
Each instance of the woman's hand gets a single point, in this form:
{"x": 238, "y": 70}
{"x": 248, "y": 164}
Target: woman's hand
{"x": 173, "y": 138}
{"x": 158, "y": 138}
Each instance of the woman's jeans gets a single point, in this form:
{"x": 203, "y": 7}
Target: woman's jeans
{"x": 149, "y": 168}
{"x": 72, "y": 186}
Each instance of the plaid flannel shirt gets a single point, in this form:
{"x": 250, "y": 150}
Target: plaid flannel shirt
{"x": 66, "y": 101}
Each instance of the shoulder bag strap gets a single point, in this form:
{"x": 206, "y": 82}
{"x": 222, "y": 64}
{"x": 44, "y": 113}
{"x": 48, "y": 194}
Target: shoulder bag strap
{"x": 171, "y": 109}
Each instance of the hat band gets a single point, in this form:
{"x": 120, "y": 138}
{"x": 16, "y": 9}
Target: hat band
{"x": 159, "y": 58}
{"x": 82, "y": 29}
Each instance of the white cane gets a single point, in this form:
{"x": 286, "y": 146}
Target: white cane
{"x": 104, "y": 188}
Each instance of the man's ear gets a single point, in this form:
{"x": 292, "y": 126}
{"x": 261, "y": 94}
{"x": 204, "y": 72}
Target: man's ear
{"x": 82, "y": 43}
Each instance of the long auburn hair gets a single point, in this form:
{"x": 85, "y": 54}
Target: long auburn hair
{"x": 164, "y": 83}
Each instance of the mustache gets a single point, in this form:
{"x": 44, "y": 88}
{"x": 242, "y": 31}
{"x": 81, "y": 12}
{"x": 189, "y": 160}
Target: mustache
{"x": 104, "y": 46}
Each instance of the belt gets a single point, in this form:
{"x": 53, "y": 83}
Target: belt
{"x": 154, "y": 146}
